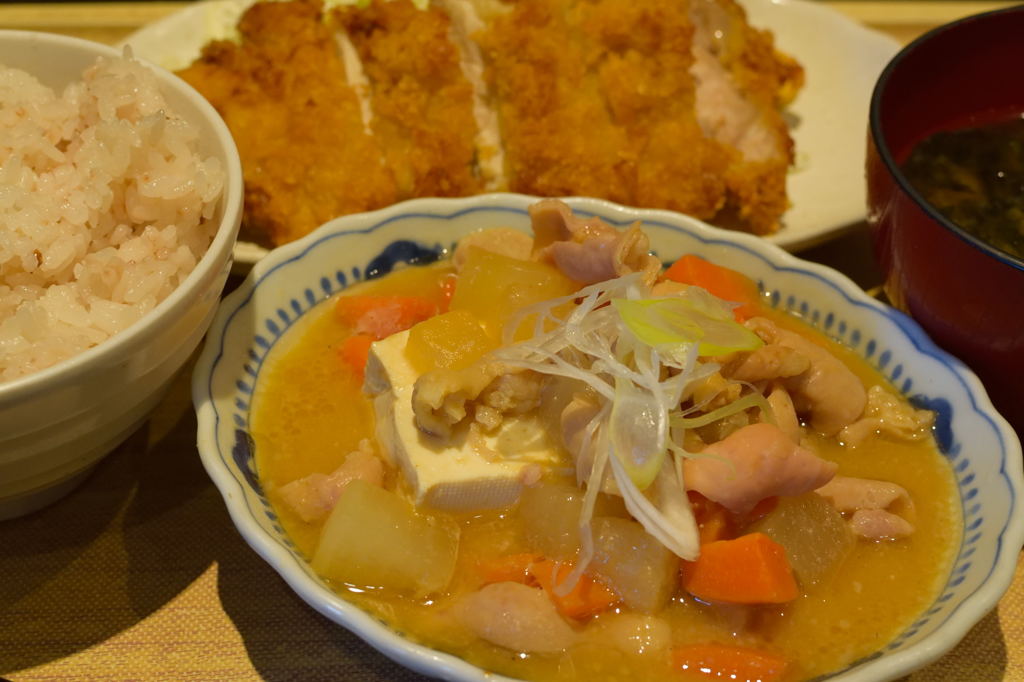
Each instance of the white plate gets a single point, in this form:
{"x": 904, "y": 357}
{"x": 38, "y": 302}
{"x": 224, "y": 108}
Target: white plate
{"x": 842, "y": 60}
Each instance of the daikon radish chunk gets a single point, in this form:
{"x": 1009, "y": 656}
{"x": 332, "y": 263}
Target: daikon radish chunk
{"x": 375, "y": 539}
{"x": 551, "y": 517}
{"x": 452, "y": 340}
{"x": 814, "y": 534}
{"x": 634, "y": 564}
{"x": 493, "y": 286}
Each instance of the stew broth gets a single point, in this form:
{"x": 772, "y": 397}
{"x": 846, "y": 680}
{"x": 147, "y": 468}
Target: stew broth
{"x": 309, "y": 412}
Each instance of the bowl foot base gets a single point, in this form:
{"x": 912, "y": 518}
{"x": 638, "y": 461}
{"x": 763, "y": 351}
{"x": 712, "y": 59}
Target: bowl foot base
{"x": 33, "y": 500}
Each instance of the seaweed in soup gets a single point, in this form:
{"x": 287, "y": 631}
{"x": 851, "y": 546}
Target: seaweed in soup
{"x": 975, "y": 178}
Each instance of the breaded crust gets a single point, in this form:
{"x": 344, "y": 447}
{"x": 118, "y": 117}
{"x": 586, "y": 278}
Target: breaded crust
{"x": 297, "y": 124}
{"x": 558, "y": 134}
{"x": 663, "y": 103}
{"x": 422, "y": 105}
{"x": 642, "y": 53}
{"x": 769, "y": 80}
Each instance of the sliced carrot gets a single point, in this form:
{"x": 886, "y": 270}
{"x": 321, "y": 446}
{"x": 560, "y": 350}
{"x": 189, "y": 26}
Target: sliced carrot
{"x": 752, "y": 569}
{"x": 728, "y": 662}
{"x": 723, "y": 282}
{"x": 382, "y": 316}
{"x": 587, "y": 598}
{"x": 350, "y": 308}
{"x": 354, "y": 351}
{"x": 508, "y": 568}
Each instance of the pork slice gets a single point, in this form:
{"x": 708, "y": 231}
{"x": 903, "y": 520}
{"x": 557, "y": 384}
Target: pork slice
{"x": 725, "y": 115}
{"x": 785, "y": 413}
{"x": 771, "y": 361}
{"x": 517, "y": 617}
{"x": 890, "y": 417}
{"x": 753, "y": 463}
{"x": 741, "y": 83}
{"x": 313, "y": 497}
{"x": 724, "y": 111}
{"x": 848, "y": 494}
{"x": 589, "y": 250}
{"x": 871, "y": 506}
{"x": 355, "y": 76}
{"x": 829, "y": 392}
{"x": 878, "y": 524}
{"x": 553, "y": 221}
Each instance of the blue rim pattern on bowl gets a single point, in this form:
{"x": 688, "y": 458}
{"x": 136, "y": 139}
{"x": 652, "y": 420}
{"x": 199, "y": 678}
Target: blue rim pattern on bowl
{"x": 954, "y": 611}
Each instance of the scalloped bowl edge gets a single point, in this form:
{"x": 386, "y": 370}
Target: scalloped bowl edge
{"x": 958, "y": 608}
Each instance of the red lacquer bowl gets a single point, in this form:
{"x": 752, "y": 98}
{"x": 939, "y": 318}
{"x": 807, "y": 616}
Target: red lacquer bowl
{"x": 967, "y": 295}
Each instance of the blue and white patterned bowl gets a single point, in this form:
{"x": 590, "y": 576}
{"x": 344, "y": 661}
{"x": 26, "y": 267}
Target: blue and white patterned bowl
{"x": 982, "y": 449}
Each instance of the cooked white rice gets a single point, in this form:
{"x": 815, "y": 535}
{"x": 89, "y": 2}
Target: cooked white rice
{"x": 105, "y": 207}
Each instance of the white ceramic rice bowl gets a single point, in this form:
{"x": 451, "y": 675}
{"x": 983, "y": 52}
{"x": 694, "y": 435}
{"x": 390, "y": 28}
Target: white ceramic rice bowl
{"x": 984, "y": 453}
{"x": 57, "y": 423}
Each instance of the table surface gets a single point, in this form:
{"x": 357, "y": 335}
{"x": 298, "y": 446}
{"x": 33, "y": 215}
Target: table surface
{"x": 140, "y": 574}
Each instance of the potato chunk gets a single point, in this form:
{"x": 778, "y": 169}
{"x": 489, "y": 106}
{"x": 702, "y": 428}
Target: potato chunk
{"x": 375, "y": 539}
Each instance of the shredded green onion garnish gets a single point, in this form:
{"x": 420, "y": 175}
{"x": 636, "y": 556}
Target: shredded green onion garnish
{"x": 669, "y": 324}
{"x": 639, "y": 433}
{"x": 739, "y": 405}
{"x": 638, "y": 354}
